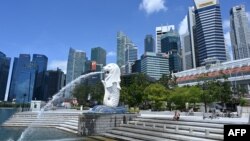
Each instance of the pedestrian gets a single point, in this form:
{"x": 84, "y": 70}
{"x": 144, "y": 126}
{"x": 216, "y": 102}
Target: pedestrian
{"x": 176, "y": 116}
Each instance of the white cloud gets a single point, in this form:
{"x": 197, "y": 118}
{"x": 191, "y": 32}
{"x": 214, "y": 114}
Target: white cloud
{"x": 61, "y": 64}
{"x": 151, "y": 6}
{"x": 111, "y": 54}
{"x": 226, "y": 24}
{"x": 183, "y": 26}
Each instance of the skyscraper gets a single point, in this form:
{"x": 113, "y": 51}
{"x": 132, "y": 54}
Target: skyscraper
{"x": 191, "y": 32}
{"x": 187, "y": 52}
{"x": 54, "y": 82}
{"x": 160, "y": 31}
{"x": 121, "y": 46}
{"x": 4, "y": 72}
{"x": 136, "y": 67}
{"x": 149, "y": 44}
{"x": 171, "y": 45}
{"x": 209, "y": 32}
{"x": 240, "y": 32}
{"x": 76, "y": 64}
{"x": 23, "y": 79}
{"x": 98, "y": 54}
{"x": 154, "y": 64}
{"x": 88, "y": 64}
{"x": 123, "y": 42}
{"x": 41, "y": 61}
{"x": 130, "y": 57}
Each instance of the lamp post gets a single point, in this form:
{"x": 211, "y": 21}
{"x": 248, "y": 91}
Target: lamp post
{"x": 24, "y": 95}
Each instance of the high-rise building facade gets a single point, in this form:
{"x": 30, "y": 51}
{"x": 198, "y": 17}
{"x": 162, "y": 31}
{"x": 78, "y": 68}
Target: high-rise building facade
{"x": 208, "y": 31}
{"x": 191, "y": 34}
{"x": 149, "y": 44}
{"x": 130, "y": 57}
{"x": 121, "y": 46}
{"x": 54, "y": 82}
{"x": 124, "y": 44}
{"x": 171, "y": 45}
{"x": 4, "y": 72}
{"x": 23, "y": 78}
{"x": 187, "y": 53}
{"x": 76, "y": 64}
{"x": 88, "y": 65}
{"x": 136, "y": 67}
{"x": 155, "y": 64}
{"x": 160, "y": 31}
{"x": 41, "y": 61}
{"x": 240, "y": 32}
{"x": 98, "y": 54}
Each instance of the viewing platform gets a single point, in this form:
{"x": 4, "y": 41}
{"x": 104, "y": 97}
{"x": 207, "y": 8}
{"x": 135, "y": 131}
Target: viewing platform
{"x": 146, "y": 125}
{"x": 161, "y": 126}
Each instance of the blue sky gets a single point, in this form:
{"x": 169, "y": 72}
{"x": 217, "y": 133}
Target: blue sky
{"x": 50, "y": 27}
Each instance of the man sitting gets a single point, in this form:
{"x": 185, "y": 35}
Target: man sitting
{"x": 176, "y": 116}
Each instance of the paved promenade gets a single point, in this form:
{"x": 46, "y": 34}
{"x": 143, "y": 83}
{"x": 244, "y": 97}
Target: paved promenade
{"x": 197, "y": 117}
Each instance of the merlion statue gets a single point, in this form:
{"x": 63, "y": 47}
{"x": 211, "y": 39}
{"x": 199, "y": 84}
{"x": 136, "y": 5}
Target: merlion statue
{"x": 111, "y": 85}
{"x": 112, "y": 89}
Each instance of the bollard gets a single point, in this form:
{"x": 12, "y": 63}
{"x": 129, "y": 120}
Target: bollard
{"x": 153, "y": 125}
{"x": 144, "y": 124}
{"x": 176, "y": 128}
{"x": 190, "y": 130}
{"x": 206, "y": 132}
{"x": 164, "y": 126}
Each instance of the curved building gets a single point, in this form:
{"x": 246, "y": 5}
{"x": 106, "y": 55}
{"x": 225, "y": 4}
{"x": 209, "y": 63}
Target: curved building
{"x": 240, "y": 32}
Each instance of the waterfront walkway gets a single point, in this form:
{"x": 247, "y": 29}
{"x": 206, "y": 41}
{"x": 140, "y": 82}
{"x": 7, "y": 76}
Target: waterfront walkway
{"x": 64, "y": 119}
{"x": 147, "y": 126}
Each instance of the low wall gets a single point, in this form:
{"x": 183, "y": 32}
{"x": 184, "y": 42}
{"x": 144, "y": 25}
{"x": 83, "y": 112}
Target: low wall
{"x": 96, "y": 123}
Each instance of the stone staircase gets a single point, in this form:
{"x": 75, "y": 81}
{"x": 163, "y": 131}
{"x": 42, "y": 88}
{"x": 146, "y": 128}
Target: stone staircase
{"x": 160, "y": 129}
{"x": 61, "y": 120}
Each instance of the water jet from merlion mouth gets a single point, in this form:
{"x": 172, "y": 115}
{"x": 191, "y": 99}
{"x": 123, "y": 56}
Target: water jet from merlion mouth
{"x": 56, "y": 99}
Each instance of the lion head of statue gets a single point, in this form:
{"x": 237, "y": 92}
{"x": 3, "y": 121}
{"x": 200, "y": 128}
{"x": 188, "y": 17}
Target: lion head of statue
{"x": 112, "y": 75}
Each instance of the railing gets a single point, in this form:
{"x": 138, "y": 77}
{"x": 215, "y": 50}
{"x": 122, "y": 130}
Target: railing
{"x": 176, "y": 128}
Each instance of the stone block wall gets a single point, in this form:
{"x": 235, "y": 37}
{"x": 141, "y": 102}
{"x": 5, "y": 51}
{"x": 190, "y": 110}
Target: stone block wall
{"x": 96, "y": 123}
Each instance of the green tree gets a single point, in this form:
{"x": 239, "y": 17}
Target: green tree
{"x": 81, "y": 93}
{"x": 194, "y": 95}
{"x": 241, "y": 91}
{"x": 158, "y": 94}
{"x": 180, "y": 95}
{"x": 165, "y": 80}
{"x": 209, "y": 93}
{"x": 173, "y": 82}
{"x": 97, "y": 92}
{"x": 133, "y": 86}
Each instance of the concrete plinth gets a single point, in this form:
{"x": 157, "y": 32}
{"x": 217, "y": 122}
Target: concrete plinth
{"x": 96, "y": 123}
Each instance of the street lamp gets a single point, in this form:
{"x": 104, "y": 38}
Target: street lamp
{"x": 24, "y": 95}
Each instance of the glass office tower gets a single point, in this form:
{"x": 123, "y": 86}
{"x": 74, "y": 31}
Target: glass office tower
{"x": 209, "y": 33}
{"x": 4, "y": 72}
{"x": 240, "y": 32}
{"x": 41, "y": 61}
{"x": 22, "y": 79}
